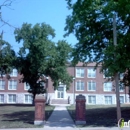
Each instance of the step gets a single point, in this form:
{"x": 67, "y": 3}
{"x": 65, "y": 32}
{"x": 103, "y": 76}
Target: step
{"x": 59, "y": 101}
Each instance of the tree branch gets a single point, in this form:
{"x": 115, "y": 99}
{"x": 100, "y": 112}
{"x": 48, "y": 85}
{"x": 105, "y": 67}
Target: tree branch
{"x": 6, "y": 3}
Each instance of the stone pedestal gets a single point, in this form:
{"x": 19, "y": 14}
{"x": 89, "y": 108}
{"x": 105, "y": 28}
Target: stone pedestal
{"x": 80, "y": 110}
{"x": 39, "y": 110}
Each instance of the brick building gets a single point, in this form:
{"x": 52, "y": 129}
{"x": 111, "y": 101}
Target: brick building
{"x": 87, "y": 81}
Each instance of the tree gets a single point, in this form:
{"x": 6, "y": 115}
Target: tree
{"x": 40, "y": 56}
{"x": 57, "y": 66}
{"x": 7, "y": 54}
{"x": 92, "y": 23}
{"x": 7, "y": 57}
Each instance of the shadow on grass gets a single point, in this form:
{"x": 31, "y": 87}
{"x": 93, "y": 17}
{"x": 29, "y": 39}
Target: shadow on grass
{"x": 25, "y": 116}
{"x": 103, "y": 117}
{"x": 17, "y": 105}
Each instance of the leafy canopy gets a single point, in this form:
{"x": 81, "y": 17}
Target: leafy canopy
{"x": 92, "y": 23}
{"x": 41, "y": 56}
{"x": 7, "y": 56}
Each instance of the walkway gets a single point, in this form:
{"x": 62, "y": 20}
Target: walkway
{"x": 59, "y": 119}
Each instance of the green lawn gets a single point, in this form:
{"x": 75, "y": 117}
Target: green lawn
{"x": 102, "y": 115}
{"x": 20, "y": 116}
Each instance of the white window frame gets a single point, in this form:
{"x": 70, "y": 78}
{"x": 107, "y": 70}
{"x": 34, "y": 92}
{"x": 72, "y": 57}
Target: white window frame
{"x": 80, "y": 72}
{"x": 1, "y": 96}
{"x": 121, "y": 89}
{"x": 106, "y": 87}
{"x": 1, "y": 84}
{"x": 106, "y": 77}
{"x": 26, "y": 86}
{"x": 90, "y": 98}
{"x": 108, "y": 103}
{"x": 122, "y": 99}
{"x": 80, "y": 85}
{"x": 91, "y": 73}
{"x": 13, "y": 84}
{"x": 121, "y": 76}
{"x": 91, "y": 82}
{"x": 14, "y": 73}
{"x": 28, "y": 100}
{"x": 13, "y": 96}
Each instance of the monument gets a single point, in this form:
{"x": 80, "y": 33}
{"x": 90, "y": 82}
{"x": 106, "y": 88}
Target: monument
{"x": 39, "y": 110}
{"x": 80, "y": 110}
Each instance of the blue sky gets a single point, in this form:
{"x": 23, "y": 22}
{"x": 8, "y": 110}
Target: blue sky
{"x": 52, "y": 12}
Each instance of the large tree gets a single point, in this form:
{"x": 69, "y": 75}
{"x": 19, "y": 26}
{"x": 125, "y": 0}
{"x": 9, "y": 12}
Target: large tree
{"x": 92, "y": 23}
{"x": 41, "y": 56}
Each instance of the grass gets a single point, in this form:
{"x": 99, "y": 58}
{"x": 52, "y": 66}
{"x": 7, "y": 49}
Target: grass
{"x": 20, "y": 116}
{"x": 102, "y": 115}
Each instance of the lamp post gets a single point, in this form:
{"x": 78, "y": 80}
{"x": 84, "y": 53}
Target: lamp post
{"x": 73, "y": 90}
{"x": 47, "y": 90}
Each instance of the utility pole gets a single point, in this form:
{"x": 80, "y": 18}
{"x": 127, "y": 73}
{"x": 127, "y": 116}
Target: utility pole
{"x": 116, "y": 74}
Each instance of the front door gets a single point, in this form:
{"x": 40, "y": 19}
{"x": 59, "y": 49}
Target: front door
{"x": 60, "y": 92}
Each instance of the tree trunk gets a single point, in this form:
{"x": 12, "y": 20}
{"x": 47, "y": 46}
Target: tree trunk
{"x": 33, "y": 102}
{"x": 116, "y": 75}
{"x": 117, "y": 97}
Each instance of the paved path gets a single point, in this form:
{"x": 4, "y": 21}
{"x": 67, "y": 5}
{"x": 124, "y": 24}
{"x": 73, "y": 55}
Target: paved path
{"x": 60, "y": 118}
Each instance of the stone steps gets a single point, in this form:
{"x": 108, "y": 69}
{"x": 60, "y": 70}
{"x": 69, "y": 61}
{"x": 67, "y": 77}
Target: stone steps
{"x": 59, "y": 101}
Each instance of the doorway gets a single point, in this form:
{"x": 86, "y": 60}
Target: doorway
{"x": 60, "y": 93}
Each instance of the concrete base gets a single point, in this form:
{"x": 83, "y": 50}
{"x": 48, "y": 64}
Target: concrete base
{"x": 80, "y": 122}
{"x": 39, "y": 122}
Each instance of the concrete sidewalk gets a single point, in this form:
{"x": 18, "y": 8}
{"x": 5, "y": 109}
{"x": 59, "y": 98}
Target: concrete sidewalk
{"x": 59, "y": 119}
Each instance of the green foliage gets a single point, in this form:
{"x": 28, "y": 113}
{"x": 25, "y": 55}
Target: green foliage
{"x": 7, "y": 57}
{"x": 92, "y": 23}
{"x": 57, "y": 66}
{"x": 39, "y": 55}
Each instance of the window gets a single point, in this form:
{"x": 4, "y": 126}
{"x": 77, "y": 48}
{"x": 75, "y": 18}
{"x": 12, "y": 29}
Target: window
{"x": 12, "y": 98}
{"x": 12, "y": 85}
{"x": 80, "y": 73}
{"x": 91, "y": 86}
{"x": 14, "y": 73}
{"x": 108, "y": 86}
{"x": 28, "y": 99}
{"x": 121, "y": 76}
{"x": 106, "y": 74}
{"x": 121, "y": 99}
{"x": 108, "y": 99}
{"x": 108, "y": 77}
{"x": 79, "y": 86}
{"x": 92, "y": 99}
{"x": 91, "y": 73}
{"x": 2, "y": 84}
{"x": 1, "y": 98}
{"x": 26, "y": 86}
{"x": 121, "y": 87}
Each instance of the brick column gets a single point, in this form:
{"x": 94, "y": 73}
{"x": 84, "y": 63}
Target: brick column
{"x": 39, "y": 110}
{"x": 80, "y": 110}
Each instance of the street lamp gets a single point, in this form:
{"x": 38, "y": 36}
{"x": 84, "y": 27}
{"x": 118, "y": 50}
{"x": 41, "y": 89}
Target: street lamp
{"x": 73, "y": 90}
{"x": 47, "y": 89}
